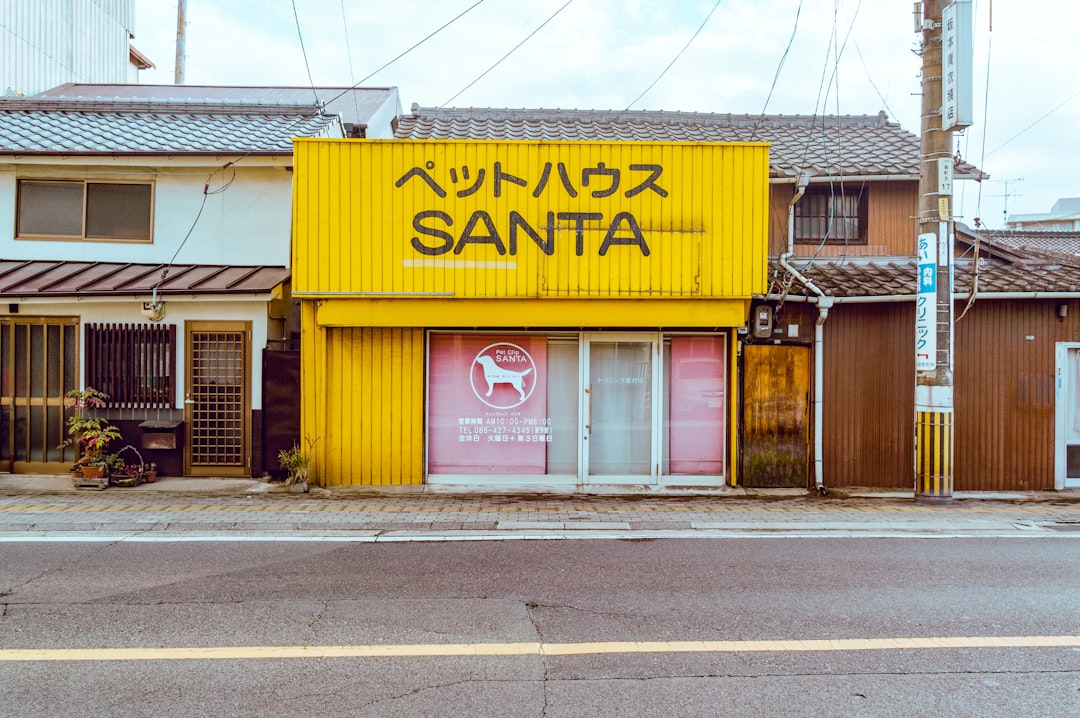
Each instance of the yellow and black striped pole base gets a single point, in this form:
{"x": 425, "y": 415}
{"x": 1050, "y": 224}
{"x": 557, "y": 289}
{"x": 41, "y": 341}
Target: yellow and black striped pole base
{"x": 933, "y": 456}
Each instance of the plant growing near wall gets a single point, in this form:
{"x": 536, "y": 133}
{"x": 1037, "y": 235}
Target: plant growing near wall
{"x": 90, "y": 434}
{"x": 297, "y": 461}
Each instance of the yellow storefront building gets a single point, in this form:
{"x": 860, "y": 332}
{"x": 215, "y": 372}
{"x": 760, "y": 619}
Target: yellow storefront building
{"x": 498, "y": 313}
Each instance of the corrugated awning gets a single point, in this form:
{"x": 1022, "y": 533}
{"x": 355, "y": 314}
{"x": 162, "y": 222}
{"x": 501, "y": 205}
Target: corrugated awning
{"x": 47, "y": 278}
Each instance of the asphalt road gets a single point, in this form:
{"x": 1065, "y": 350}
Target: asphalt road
{"x": 585, "y": 628}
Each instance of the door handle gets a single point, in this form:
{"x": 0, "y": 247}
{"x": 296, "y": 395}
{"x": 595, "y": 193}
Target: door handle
{"x": 588, "y": 425}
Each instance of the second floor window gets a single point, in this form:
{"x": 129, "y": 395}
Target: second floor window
{"x": 72, "y": 209}
{"x": 831, "y": 214}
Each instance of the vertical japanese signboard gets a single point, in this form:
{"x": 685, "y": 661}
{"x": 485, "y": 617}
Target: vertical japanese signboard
{"x": 956, "y": 69}
{"x": 926, "y": 305}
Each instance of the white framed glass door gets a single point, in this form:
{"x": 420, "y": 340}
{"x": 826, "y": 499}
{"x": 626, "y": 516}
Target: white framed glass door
{"x": 620, "y": 411}
{"x": 1067, "y": 416}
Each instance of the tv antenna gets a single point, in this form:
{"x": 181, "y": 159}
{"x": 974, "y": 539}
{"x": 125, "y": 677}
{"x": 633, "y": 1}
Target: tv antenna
{"x": 1014, "y": 181}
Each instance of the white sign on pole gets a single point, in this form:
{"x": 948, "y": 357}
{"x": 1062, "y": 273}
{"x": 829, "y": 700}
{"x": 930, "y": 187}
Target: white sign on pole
{"x": 956, "y": 66}
{"x": 926, "y": 304}
{"x": 944, "y": 176}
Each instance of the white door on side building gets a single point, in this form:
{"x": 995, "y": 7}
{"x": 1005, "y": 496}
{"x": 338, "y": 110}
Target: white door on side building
{"x": 1067, "y": 416}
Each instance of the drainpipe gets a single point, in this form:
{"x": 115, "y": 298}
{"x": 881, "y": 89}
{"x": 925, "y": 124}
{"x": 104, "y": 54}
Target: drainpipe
{"x": 823, "y": 305}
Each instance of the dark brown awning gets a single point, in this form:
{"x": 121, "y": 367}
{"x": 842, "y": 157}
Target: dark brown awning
{"x": 46, "y": 278}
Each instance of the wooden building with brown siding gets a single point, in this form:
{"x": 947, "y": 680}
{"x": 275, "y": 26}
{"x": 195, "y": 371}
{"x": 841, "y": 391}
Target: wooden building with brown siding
{"x": 1011, "y": 390}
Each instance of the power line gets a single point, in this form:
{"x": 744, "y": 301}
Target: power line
{"x": 884, "y": 102}
{"x": 445, "y": 25}
{"x": 304, "y": 52}
{"x": 512, "y": 50}
{"x": 348, "y": 53}
{"x": 1058, "y": 107}
{"x": 676, "y": 58}
{"x": 779, "y": 67}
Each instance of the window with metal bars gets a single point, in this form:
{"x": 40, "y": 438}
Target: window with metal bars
{"x": 831, "y": 214}
{"x": 135, "y": 364}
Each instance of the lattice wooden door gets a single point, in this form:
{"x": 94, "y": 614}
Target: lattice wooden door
{"x": 217, "y": 399}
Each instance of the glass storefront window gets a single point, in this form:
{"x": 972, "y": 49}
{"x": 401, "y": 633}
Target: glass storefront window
{"x": 695, "y": 405}
{"x": 502, "y": 405}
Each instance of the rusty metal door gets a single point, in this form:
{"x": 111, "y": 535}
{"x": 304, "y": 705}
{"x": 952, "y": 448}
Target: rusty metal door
{"x": 217, "y": 403}
{"x": 776, "y": 416}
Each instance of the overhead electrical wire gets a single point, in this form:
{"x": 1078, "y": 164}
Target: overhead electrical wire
{"x": 512, "y": 50}
{"x": 779, "y": 67}
{"x": 348, "y": 54}
{"x": 1064, "y": 102}
{"x": 445, "y": 25}
{"x": 677, "y": 56}
{"x": 870, "y": 79}
{"x": 303, "y": 50}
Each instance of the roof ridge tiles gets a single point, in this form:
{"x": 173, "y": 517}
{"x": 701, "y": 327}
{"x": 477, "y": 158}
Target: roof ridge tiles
{"x": 879, "y": 120}
{"x": 143, "y": 106}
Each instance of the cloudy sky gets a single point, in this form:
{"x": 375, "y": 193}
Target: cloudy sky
{"x": 847, "y": 57}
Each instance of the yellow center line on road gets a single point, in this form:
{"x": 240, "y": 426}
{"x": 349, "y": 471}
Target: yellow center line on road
{"x": 434, "y": 650}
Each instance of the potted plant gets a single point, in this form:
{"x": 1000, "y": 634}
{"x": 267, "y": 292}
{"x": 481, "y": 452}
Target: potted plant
{"x": 90, "y": 434}
{"x": 126, "y": 474}
{"x": 297, "y": 462}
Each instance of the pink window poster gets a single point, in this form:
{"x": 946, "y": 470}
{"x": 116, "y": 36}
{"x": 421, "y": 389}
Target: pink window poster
{"x": 698, "y": 405}
{"x": 487, "y": 404}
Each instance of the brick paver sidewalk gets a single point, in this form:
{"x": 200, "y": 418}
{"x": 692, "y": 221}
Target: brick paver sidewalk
{"x": 344, "y": 512}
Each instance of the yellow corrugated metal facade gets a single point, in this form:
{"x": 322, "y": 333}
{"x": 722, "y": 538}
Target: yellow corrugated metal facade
{"x": 392, "y": 238}
{"x": 515, "y": 220}
{"x": 363, "y": 396}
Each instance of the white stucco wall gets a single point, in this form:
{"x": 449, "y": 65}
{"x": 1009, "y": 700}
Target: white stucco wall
{"x": 247, "y": 224}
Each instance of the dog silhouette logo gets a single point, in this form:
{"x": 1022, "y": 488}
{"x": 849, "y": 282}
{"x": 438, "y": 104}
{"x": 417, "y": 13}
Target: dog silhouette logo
{"x": 503, "y": 375}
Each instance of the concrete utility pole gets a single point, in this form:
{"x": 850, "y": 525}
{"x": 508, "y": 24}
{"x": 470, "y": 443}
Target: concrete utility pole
{"x": 934, "y": 306}
{"x": 181, "y": 41}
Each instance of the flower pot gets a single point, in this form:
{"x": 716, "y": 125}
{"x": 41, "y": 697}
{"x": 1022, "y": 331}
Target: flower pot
{"x": 150, "y": 476}
{"x": 92, "y": 472}
{"x": 300, "y": 487}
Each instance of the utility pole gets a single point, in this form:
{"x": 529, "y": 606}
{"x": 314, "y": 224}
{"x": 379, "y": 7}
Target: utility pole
{"x": 181, "y": 41}
{"x": 944, "y": 107}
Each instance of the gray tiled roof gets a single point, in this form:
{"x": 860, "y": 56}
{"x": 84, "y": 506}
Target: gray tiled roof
{"x": 1045, "y": 240}
{"x": 355, "y": 104}
{"x": 47, "y": 278}
{"x": 181, "y": 119}
{"x": 106, "y": 127}
{"x": 897, "y": 277}
{"x": 851, "y": 145}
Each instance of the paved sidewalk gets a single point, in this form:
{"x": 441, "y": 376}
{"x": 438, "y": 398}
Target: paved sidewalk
{"x": 48, "y": 508}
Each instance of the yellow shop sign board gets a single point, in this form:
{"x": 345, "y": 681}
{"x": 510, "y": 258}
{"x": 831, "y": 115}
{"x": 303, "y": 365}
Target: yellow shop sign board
{"x": 500, "y": 219}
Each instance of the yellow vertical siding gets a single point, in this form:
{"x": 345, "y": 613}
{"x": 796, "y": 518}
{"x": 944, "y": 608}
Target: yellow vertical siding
{"x": 365, "y": 403}
{"x": 399, "y": 218}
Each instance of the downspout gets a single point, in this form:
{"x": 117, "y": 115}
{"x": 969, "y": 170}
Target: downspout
{"x": 823, "y": 305}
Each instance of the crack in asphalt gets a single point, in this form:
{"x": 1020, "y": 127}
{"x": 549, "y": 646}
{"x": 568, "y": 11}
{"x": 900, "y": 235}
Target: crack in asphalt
{"x": 588, "y": 611}
{"x": 63, "y": 566}
{"x": 529, "y": 608}
{"x": 318, "y": 617}
{"x": 437, "y": 686}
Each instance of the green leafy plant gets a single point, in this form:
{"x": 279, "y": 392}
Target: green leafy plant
{"x": 297, "y": 461}
{"x": 91, "y": 435}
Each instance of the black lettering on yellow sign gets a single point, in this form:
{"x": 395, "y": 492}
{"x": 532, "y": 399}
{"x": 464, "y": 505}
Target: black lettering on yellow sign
{"x": 480, "y": 228}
